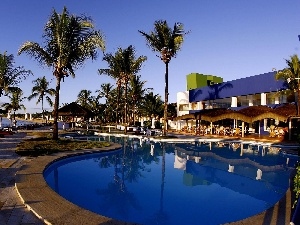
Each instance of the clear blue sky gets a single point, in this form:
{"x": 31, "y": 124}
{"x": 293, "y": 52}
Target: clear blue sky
{"x": 228, "y": 38}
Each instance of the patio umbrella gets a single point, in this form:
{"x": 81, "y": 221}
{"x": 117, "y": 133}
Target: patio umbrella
{"x": 286, "y": 110}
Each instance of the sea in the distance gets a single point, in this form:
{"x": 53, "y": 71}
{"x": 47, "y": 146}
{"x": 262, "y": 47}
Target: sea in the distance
{"x": 4, "y": 122}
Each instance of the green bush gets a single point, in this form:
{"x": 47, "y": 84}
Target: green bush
{"x": 297, "y": 185}
{"x": 44, "y": 145}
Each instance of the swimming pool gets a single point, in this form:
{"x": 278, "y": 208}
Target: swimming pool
{"x": 174, "y": 183}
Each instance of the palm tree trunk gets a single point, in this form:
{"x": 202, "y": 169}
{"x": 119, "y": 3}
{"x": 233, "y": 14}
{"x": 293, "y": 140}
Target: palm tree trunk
{"x": 43, "y": 114}
{"x": 133, "y": 111}
{"x": 166, "y": 99}
{"x": 118, "y": 102}
{"x": 55, "y": 109}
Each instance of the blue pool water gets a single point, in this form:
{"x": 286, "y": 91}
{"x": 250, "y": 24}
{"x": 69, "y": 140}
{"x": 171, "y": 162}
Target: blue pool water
{"x": 174, "y": 183}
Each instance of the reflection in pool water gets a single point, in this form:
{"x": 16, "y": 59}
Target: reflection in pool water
{"x": 174, "y": 183}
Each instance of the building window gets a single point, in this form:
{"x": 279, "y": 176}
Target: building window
{"x": 184, "y": 107}
{"x": 194, "y": 105}
{"x": 270, "y": 98}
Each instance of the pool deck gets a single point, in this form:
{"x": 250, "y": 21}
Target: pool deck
{"x": 25, "y": 198}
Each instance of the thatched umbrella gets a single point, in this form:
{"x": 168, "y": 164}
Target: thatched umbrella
{"x": 281, "y": 113}
{"x": 217, "y": 114}
{"x": 186, "y": 117}
{"x": 286, "y": 109}
{"x": 270, "y": 115}
{"x": 253, "y": 111}
{"x": 208, "y": 114}
{"x": 232, "y": 115}
{"x": 289, "y": 111}
{"x": 190, "y": 116}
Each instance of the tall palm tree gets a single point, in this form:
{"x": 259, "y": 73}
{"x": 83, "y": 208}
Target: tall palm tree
{"x": 105, "y": 92}
{"x": 41, "y": 91}
{"x": 10, "y": 76}
{"x": 84, "y": 98}
{"x": 167, "y": 42}
{"x": 70, "y": 41}
{"x": 122, "y": 66}
{"x": 291, "y": 76}
{"x": 16, "y": 100}
{"x": 113, "y": 71}
{"x": 136, "y": 92}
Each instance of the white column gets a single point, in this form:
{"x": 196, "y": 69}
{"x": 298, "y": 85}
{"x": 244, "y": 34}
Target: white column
{"x": 30, "y": 116}
{"x": 200, "y": 105}
{"x": 290, "y": 129}
{"x": 243, "y": 129}
{"x": 265, "y": 124}
{"x": 233, "y": 101}
{"x": 263, "y": 100}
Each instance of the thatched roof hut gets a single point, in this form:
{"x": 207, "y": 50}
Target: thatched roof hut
{"x": 73, "y": 109}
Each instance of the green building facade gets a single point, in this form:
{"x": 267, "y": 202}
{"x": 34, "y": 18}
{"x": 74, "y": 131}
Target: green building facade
{"x": 197, "y": 80}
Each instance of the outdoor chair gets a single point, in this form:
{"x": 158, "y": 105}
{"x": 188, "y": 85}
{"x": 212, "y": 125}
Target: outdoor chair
{"x": 236, "y": 132}
{"x": 202, "y": 130}
{"x": 272, "y": 131}
{"x": 281, "y": 132}
{"x": 222, "y": 131}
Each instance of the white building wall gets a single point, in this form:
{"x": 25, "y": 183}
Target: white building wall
{"x": 233, "y": 101}
{"x": 182, "y": 98}
{"x": 263, "y": 100}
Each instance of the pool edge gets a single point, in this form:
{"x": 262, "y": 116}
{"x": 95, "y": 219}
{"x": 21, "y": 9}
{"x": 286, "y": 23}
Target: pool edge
{"x": 45, "y": 203}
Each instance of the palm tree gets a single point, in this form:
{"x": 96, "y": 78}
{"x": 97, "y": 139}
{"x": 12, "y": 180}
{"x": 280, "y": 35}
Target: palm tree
{"x": 105, "y": 92}
{"x": 85, "y": 99}
{"x": 122, "y": 66}
{"x": 70, "y": 41}
{"x": 15, "y": 103}
{"x": 152, "y": 105}
{"x": 167, "y": 43}
{"x": 114, "y": 72}
{"x": 136, "y": 92}
{"x": 10, "y": 76}
{"x": 291, "y": 76}
{"x": 42, "y": 91}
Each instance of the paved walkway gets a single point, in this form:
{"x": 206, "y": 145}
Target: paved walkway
{"x": 13, "y": 211}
